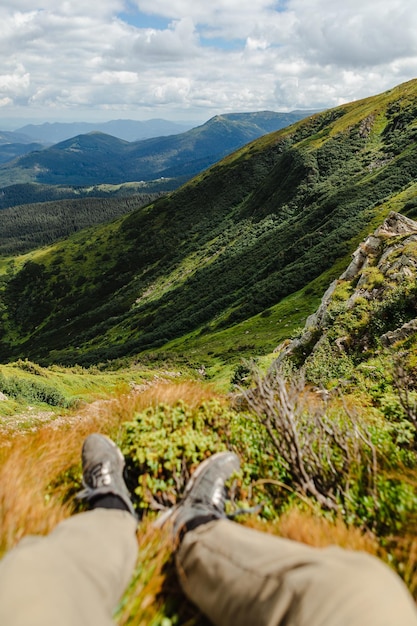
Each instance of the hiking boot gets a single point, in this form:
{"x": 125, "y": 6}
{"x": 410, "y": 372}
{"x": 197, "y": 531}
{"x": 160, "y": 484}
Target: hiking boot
{"x": 205, "y": 495}
{"x": 103, "y": 465}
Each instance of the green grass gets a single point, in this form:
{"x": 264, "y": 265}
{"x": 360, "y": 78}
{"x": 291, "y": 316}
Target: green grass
{"x": 28, "y": 386}
{"x": 255, "y": 338}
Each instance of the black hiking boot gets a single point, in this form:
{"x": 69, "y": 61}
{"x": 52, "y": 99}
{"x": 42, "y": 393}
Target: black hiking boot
{"x": 205, "y": 495}
{"x": 103, "y": 465}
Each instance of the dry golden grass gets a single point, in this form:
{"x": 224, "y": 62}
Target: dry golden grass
{"x": 28, "y": 466}
{"x": 404, "y": 551}
{"x": 190, "y": 392}
{"x": 315, "y": 530}
{"x": 154, "y": 590}
{"x": 31, "y": 462}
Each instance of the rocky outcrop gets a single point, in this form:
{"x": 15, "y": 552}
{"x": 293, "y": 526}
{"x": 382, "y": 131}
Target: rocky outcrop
{"x": 395, "y": 225}
{"x": 384, "y": 264}
{"x": 406, "y": 330}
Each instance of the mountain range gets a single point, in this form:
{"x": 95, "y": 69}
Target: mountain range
{"x": 243, "y": 251}
{"x": 130, "y": 130}
{"x": 33, "y": 137}
{"x": 15, "y": 144}
{"x": 96, "y": 158}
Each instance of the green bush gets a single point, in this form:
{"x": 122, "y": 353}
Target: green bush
{"x": 356, "y": 469}
{"x": 32, "y": 391}
{"x": 327, "y": 364}
{"x": 165, "y": 443}
{"x": 242, "y": 375}
{"x": 385, "y": 509}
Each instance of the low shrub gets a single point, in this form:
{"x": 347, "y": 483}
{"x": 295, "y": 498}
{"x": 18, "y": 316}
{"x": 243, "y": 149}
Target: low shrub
{"x": 30, "y": 390}
{"x": 165, "y": 443}
{"x": 350, "y": 467}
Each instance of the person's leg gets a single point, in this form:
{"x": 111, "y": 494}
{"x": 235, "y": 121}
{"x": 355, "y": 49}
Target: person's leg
{"x": 76, "y": 574}
{"x": 72, "y": 577}
{"x": 236, "y": 575}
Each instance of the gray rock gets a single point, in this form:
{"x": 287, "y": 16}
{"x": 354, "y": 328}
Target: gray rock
{"x": 406, "y": 330}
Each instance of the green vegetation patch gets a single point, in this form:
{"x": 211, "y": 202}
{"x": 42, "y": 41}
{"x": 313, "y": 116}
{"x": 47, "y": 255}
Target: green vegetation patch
{"x": 229, "y": 245}
{"x": 26, "y": 384}
{"x": 165, "y": 443}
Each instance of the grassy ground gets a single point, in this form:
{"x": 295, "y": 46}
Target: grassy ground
{"x": 31, "y": 392}
{"x": 40, "y": 472}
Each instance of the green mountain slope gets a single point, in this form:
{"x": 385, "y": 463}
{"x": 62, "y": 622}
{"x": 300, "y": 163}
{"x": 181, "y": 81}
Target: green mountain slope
{"x": 233, "y": 242}
{"x": 35, "y": 193}
{"x": 15, "y": 144}
{"x": 30, "y": 226}
{"x": 99, "y": 158}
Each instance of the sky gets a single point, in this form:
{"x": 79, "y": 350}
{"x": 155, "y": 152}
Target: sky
{"x": 187, "y": 60}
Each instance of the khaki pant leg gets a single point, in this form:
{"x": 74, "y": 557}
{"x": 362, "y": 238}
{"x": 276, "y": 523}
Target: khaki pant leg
{"x": 72, "y": 577}
{"x": 242, "y": 577}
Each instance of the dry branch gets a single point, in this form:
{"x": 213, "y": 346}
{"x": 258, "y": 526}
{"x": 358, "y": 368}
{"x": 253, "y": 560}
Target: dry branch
{"x": 318, "y": 451}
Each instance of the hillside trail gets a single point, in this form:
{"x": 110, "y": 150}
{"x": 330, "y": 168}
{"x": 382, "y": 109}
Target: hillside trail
{"x": 33, "y": 419}
{"x": 165, "y": 387}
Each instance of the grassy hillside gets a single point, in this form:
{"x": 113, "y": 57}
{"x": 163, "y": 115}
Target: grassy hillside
{"x": 227, "y": 267}
{"x": 232, "y": 243}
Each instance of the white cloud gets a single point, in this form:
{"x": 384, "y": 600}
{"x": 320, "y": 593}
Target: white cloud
{"x": 169, "y": 45}
{"x": 112, "y": 78}
{"x": 14, "y": 82}
{"x": 214, "y": 13}
{"x": 82, "y": 60}
{"x": 173, "y": 90}
{"x": 353, "y": 33}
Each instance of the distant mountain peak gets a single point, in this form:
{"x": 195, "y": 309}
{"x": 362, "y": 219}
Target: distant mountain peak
{"x": 93, "y": 156}
{"x": 129, "y": 130}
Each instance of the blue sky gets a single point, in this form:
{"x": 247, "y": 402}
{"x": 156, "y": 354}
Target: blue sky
{"x": 187, "y": 60}
{"x": 133, "y": 16}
